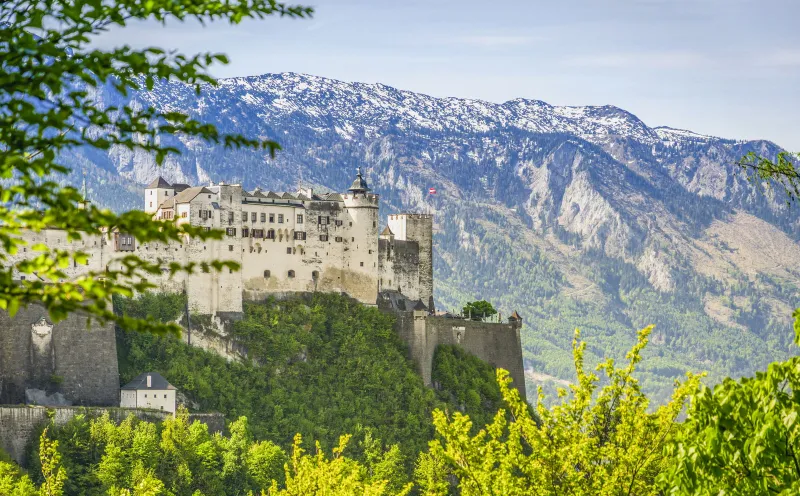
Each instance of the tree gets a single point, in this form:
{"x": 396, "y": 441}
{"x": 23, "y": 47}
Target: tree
{"x": 339, "y": 476}
{"x": 478, "y": 310}
{"x": 596, "y": 442}
{"x": 48, "y": 74}
{"x": 781, "y": 171}
{"x": 741, "y": 437}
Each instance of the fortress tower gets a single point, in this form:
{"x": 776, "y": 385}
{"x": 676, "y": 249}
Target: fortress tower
{"x": 417, "y": 228}
{"x": 361, "y": 255}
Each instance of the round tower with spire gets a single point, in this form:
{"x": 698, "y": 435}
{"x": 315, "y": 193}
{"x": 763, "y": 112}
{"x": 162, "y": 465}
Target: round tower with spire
{"x": 361, "y": 240}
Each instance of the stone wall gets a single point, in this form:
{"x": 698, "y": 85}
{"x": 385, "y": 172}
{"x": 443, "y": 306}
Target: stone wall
{"x": 19, "y": 424}
{"x": 495, "y": 343}
{"x": 67, "y": 358}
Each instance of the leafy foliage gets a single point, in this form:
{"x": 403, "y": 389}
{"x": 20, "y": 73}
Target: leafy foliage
{"x": 49, "y": 72}
{"x": 479, "y": 310}
{"x": 742, "y": 437}
{"x": 781, "y": 172}
{"x": 467, "y": 381}
{"x": 322, "y": 367}
{"x": 596, "y": 442}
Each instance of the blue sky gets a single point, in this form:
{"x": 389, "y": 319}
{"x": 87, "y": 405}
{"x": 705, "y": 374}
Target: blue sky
{"x": 729, "y": 68}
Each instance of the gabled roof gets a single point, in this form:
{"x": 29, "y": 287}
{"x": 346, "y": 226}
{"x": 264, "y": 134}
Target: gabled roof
{"x": 257, "y": 193}
{"x": 331, "y": 197}
{"x": 157, "y": 381}
{"x": 272, "y": 195}
{"x": 515, "y": 316}
{"x": 387, "y": 232}
{"x": 178, "y": 187}
{"x": 159, "y": 182}
{"x": 288, "y": 196}
{"x": 189, "y": 194}
{"x": 420, "y": 306}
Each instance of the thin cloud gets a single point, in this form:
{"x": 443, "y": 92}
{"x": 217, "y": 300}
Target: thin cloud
{"x": 496, "y": 40}
{"x": 642, "y": 60}
{"x": 782, "y": 58}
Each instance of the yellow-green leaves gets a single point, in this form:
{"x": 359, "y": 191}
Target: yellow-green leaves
{"x": 741, "y": 437}
{"x": 50, "y": 72}
{"x": 599, "y": 440}
{"x": 337, "y": 476}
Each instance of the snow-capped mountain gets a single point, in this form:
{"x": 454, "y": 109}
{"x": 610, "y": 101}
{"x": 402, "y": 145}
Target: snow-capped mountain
{"x": 571, "y": 215}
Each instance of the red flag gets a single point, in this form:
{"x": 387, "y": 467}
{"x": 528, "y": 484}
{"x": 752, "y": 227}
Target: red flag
{"x": 431, "y": 191}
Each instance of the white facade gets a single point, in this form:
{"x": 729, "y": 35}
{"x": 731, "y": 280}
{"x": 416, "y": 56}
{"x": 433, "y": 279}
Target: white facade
{"x": 283, "y": 243}
{"x": 149, "y": 390}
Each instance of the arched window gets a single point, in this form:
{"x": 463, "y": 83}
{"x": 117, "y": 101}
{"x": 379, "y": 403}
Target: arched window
{"x": 291, "y": 274}
{"x": 315, "y": 275}
{"x": 266, "y": 274}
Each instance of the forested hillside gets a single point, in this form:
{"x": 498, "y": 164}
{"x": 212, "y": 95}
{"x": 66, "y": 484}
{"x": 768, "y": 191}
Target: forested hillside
{"x": 322, "y": 367}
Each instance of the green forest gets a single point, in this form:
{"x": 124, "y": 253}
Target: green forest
{"x": 327, "y": 403}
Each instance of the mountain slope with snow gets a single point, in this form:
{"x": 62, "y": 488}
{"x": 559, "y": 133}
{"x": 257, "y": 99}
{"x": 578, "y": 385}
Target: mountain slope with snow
{"x": 574, "y": 216}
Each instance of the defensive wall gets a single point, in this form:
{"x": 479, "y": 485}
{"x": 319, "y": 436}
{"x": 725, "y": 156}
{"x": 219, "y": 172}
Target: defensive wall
{"x": 67, "y": 363}
{"x": 495, "y": 343}
{"x": 20, "y": 424}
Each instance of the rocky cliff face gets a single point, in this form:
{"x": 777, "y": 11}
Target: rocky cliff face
{"x": 575, "y": 216}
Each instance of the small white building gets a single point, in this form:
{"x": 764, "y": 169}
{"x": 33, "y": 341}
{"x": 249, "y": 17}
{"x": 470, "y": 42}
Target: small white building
{"x": 148, "y": 390}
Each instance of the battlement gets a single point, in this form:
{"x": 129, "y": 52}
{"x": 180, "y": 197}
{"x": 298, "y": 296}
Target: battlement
{"x": 411, "y": 216}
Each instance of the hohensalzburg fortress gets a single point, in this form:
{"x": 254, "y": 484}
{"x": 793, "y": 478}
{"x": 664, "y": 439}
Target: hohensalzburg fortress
{"x": 284, "y": 243}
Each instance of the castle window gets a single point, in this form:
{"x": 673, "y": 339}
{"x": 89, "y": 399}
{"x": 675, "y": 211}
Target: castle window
{"x": 231, "y": 231}
{"x": 271, "y": 218}
{"x": 258, "y": 233}
{"x": 271, "y": 234}
{"x": 266, "y": 274}
{"x": 230, "y": 247}
{"x": 230, "y": 217}
{"x": 353, "y": 240}
{"x": 244, "y": 216}
{"x": 166, "y": 193}
{"x": 184, "y": 214}
{"x": 374, "y": 224}
{"x": 323, "y": 237}
{"x": 253, "y": 216}
{"x": 288, "y": 250}
{"x": 151, "y": 204}
{"x": 206, "y": 229}
{"x": 370, "y": 252}
{"x": 151, "y": 192}
{"x": 263, "y": 217}
{"x": 338, "y": 239}
{"x": 315, "y": 275}
{"x": 299, "y": 218}
{"x": 323, "y": 220}
{"x": 339, "y": 222}
{"x": 280, "y": 218}
{"x": 299, "y": 235}
{"x": 245, "y": 232}
{"x": 362, "y": 264}
{"x": 291, "y": 274}
{"x": 351, "y": 224}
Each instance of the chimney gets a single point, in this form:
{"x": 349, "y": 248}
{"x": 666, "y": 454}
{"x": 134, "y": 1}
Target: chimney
{"x": 149, "y": 381}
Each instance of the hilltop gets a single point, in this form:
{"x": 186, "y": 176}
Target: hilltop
{"x": 574, "y": 216}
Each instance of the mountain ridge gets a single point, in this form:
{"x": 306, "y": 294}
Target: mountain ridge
{"x": 576, "y": 216}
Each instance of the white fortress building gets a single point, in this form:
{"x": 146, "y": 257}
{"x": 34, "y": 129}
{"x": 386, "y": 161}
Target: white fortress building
{"x": 284, "y": 243}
